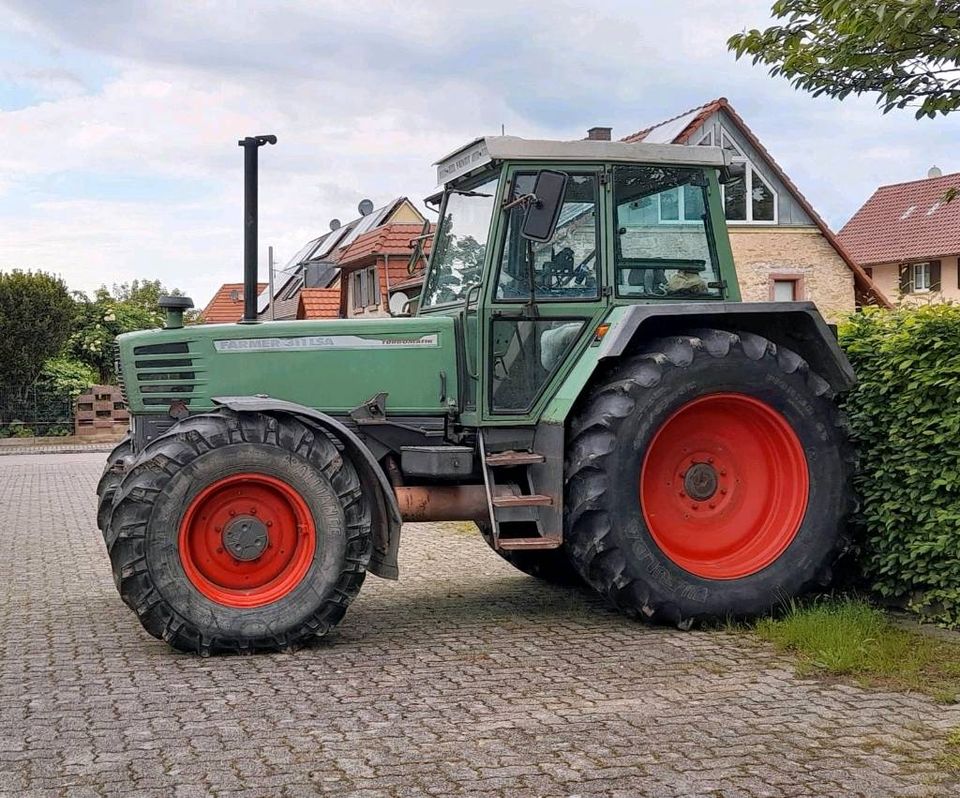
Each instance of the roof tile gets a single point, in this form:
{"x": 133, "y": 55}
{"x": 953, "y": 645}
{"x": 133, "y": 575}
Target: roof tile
{"x": 226, "y": 307}
{"x": 319, "y": 303}
{"x": 905, "y": 221}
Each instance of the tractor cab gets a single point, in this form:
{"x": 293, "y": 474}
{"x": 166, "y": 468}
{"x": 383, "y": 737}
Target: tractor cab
{"x": 537, "y": 239}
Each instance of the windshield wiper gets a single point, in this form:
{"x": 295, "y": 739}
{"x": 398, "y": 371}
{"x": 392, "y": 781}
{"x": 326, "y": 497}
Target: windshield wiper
{"x": 464, "y": 193}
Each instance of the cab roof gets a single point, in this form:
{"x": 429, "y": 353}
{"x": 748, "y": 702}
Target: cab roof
{"x": 482, "y": 151}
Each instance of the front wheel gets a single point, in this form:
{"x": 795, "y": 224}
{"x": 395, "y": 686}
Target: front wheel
{"x": 707, "y": 477}
{"x": 239, "y": 532}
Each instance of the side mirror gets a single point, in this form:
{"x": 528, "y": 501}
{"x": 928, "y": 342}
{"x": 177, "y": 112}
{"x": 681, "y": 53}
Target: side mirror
{"x": 540, "y": 220}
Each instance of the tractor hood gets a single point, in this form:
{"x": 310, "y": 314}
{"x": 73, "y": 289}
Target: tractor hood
{"x": 333, "y": 366}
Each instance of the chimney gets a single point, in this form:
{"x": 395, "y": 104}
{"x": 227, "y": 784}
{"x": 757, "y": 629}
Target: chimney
{"x": 599, "y": 133}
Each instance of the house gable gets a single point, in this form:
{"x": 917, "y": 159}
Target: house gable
{"x": 794, "y": 210}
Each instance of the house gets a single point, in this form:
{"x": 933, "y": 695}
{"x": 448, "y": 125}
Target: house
{"x": 375, "y": 272}
{"x": 317, "y": 263}
{"x": 782, "y": 248}
{"x": 907, "y": 237}
{"x": 226, "y": 307}
{"x": 315, "y": 268}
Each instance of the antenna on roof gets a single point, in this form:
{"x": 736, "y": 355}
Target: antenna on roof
{"x": 365, "y": 207}
{"x": 503, "y": 129}
{"x": 334, "y": 224}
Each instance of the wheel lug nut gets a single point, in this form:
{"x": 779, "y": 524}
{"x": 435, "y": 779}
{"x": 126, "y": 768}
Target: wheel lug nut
{"x": 695, "y": 506}
{"x": 219, "y": 549}
{"x": 710, "y": 460}
{"x": 253, "y": 511}
{"x": 712, "y": 505}
{"x": 683, "y": 495}
{"x": 723, "y": 491}
{"x": 723, "y": 473}
{"x": 269, "y": 523}
{"x": 233, "y": 513}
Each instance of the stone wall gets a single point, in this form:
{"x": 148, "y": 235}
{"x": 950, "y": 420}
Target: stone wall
{"x": 760, "y": 252}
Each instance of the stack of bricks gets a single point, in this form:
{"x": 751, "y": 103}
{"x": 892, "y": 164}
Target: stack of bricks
{"x": 100, "y": 411}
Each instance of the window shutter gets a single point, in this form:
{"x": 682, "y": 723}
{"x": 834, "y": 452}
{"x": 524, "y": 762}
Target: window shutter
{"x": 906, "y": 281}
{"x": 934, "y": 275}
{"x": 376, "y": 286}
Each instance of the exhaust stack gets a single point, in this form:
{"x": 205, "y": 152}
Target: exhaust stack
{"x": 250, "y": 144}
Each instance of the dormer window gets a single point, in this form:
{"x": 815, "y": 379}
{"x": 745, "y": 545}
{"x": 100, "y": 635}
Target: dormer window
{"x": 749, "y": 198}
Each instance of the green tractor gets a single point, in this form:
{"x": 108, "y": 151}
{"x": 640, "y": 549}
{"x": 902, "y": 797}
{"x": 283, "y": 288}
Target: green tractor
{"x": 581, "y": 380}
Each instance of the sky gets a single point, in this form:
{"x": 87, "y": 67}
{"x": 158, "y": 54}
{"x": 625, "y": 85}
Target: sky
{"x": 119, "y": 120}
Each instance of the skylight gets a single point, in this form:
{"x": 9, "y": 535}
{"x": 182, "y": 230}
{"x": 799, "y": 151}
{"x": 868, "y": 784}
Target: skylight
{"x": 907, "y": 212}
{"x": 933, "y": 207}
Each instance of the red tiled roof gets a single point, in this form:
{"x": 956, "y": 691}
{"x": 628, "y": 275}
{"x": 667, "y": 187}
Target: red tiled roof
{"x": 319, "y": 303}
{"x": 390, "y": 239}
{"x": 886, "y": 230}
{"x": 226, "y": 307}
{"x": 864, "y": 285}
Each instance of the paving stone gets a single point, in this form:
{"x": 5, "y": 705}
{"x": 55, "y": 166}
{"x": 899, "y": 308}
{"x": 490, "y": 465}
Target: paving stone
{"x": 465, "y": 678}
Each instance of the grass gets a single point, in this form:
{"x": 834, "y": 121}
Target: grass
{"x": 950, "y": 760}
{"x": 850, "y": 638}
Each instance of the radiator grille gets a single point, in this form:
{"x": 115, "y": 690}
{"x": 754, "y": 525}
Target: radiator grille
{"x": 165, "y": 373}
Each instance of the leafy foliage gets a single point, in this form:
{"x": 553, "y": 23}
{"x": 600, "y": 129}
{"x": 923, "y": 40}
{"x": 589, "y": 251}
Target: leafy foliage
{"x": 906, "y": 51}
{"x": 129, "y": 307}
{"x": 905, "y": 414}
{"x": 64, "y": 376}
{"x": 36, "y": 317}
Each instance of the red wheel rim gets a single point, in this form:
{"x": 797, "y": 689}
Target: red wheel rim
{"x": 247, "y": 540}
{"x": 724, "y": 486}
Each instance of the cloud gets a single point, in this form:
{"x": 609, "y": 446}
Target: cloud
{"x": 120, "y": 157}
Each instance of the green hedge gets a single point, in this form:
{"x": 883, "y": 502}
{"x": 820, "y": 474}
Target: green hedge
{"x": 905, "y": 414}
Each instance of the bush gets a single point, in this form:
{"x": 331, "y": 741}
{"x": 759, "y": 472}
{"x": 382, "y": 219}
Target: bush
{"x": 21, "y": 431}
{"x": 66, "y": 377}
{"x": 905, "y": 414}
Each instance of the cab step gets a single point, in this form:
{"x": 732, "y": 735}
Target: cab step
{"x": 514, "y": 458}
{"x": 523, "y": 500}
{"x": 529, "y": 543}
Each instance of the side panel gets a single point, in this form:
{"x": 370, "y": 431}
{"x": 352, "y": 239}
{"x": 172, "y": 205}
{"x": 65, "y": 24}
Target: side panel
{"x": 332, "y": 366}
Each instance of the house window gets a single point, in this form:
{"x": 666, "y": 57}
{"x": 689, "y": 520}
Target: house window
{"x": 921, "y": 277}
{"x": 748, "y": 198}
{"x": 786, "y": 287}
{"x": 366, "y": 288}
{"x": 679, "y": 205}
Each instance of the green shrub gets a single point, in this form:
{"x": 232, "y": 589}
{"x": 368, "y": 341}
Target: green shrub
{"x": 21, "y": 431}
{"x": 905, "y": 414}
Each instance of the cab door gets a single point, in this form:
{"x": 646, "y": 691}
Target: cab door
{"x": 543, "y": 301}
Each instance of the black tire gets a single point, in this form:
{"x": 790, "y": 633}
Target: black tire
{"x": 550, "y": 565}
{"x": 606, "y": 532}
{"x": 113, "y": 471}
{"x": 171, "y": 472}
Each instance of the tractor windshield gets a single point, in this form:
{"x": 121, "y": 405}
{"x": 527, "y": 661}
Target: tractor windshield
{"x": 460, "y": 243}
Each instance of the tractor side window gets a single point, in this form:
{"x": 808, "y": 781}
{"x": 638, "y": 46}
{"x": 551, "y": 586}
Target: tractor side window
{"x": 663, "y": 247}
{"x": 564, "y": 268}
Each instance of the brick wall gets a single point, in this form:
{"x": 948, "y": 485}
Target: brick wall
{"x": 100, "y": 411}
{"x": 761, "y": 252}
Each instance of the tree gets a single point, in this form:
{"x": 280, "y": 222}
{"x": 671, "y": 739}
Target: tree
{"x": 127, "y": 308}
{"x": 906, "y": 51}
{"x": 36, "y": 318}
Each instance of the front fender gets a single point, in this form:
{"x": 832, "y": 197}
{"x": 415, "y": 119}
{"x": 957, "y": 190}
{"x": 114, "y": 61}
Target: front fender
{"x": 386, "y": 511}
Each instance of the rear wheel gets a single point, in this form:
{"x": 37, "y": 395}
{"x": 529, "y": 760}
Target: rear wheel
{"x": 239, "y": 532}
{"x": 707, "y": 477}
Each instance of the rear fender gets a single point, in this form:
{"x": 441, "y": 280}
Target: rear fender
{"x": 795, "y": 325}
{"x": 386, "y": 511}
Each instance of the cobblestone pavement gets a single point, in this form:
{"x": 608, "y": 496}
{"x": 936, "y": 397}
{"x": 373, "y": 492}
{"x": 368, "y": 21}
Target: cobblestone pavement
{"x": 466, "y": 678}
